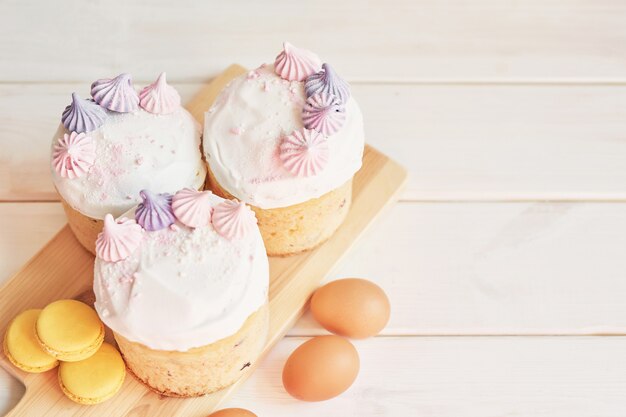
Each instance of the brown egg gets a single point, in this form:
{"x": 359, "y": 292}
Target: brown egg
{"x": 233, "y": 412}
{"x": 321, "y": 368}
{"x": 351, "y": 307}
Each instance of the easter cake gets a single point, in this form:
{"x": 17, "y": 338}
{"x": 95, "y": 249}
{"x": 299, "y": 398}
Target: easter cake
{"x": 110, "y": 147}
{"x": 287, "y": 139}
{"x": 183, "y": 284}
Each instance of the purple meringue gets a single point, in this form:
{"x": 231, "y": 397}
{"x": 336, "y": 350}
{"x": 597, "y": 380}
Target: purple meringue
{"x": 324, "y": 113}
{"x": 327, "y": 81}
{"x": 155, "y": 211}
{"x": 83, "y": 116}
{"x": 116, "y": 94}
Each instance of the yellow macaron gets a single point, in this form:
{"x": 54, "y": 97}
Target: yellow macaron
{"x": 95, "y": 379}
{"x": 21, "y": 346}
{"x": 69, "y": 330}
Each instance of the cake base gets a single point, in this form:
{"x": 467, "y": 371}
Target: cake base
{"x": 201, "y": 370}
{"x": 86, "y": 229}
{"x": 301, "y": 227}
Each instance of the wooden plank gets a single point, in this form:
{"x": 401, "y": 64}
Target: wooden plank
{"x": 498, "y": 268}
{"x": 451, "y": 377}
{"x": 63, "y": 269}
{"x": 460, "y": 376}
{"x": 459, "y": 142}
{"x": 11, "y": 390}
{"x": 464, "y": 268}
{"x": 403, "y": 40}
{"x": 26, "y": 228}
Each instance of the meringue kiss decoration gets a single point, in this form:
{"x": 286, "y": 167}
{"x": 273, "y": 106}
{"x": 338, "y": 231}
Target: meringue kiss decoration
{"x": 83, "y": 115}
{"x": 233, "y": 219}
{"x": 295, "y": 64}
{"x": 304, "y": 153}
{"x": 73, "y": 155}
{"x": 118, "y": 239}
{"x": 159, "y": 97}
{"x": 327, "y": 81}
{"x": 116, "y": 94}
{"x": 324, "y": 113}
{"x": 192, "y": 207}
{"x": 155, "y": 211}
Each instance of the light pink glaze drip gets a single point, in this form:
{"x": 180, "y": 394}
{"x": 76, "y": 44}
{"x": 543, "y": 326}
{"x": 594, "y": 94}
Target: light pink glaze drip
{"x": 295, "y": 64}
{"x": 118, "y": 239}
{"x": 73, "y": 155}
{"x": 233, "y": 219}
{"x": 305, "y": 152}
{"x": 192, "y": 207}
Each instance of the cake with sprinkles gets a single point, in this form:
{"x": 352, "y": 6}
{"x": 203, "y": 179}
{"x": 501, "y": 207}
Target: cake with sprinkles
{"x": 118, "y": 142}
{"x": 287, "y": 138}
{"x": 182, "y": 280}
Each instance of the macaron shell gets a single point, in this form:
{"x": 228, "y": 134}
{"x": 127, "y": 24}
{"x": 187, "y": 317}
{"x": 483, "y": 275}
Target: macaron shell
{"x": 69, "y": 330}
{"x": 21, "y": 346}
{"x": 95, "y": 379}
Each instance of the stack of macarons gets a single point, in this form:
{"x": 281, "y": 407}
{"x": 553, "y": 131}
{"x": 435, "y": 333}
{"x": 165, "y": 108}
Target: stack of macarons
{"x": 21, "y": 346}
{"x": 69, "y": 334}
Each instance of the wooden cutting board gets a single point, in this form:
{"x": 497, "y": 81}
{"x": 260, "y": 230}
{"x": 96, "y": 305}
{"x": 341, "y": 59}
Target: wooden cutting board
{"x": 63, "y": 269}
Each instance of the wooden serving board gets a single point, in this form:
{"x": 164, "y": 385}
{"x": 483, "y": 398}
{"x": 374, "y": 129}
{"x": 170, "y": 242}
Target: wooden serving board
{"x": 63, "y": 269}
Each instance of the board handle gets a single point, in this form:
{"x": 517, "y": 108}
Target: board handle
{"x": 39, "y": 390}
{"x": 12, "y": 378}
{"x": 21, "y": 409}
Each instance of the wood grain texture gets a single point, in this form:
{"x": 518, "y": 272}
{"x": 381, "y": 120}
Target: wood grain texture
{"x": 402, "y": 40}
{"x": 459, "y": 142}
{"x": 455, "y": 269}
{"x": 455, "y": 376}
{"x": 480, "y": 99}
{"x": 292, "y": 279}
{"x": 496, "y": 268}
{"x": 460, "y": 376}
{"x": 26, "y": 228}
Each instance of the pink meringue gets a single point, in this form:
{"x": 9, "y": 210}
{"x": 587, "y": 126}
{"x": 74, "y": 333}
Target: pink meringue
{"x": 295, "y": 64}
{"x": 159, "y": 97}
{"x": 304, "y": 153}
{"x": 116, "y": 94}
{"x": 192, "y": 207}
{"x": 324, "y": 113}
{"x": 233, "y": 219}
{"x": 73, "y": 155}
{"x": 118, "y": 239}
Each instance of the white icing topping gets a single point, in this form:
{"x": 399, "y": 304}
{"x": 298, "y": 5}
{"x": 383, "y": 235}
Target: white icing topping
{"x": 243, "y": 132}
{"x": 183, "y": 287}
{"x": 135, "y": 151}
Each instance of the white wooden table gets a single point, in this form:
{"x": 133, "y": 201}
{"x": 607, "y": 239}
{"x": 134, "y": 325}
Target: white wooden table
{"x": 505, "y": 260}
